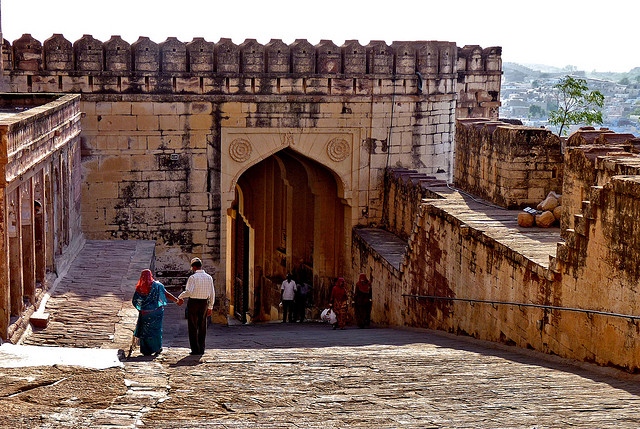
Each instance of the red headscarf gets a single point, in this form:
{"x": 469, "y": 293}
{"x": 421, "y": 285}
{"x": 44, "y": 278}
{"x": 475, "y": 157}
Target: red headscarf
{"x": 338, "y": 293}
{"x": 363, "y": 284}
{"x": 144, "y": 284}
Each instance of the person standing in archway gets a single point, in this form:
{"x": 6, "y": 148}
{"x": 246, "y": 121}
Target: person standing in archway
{"x": 338, "y": 302}
{"x": 202, "y": 295}
{"x": 362, "y": 301}
{"x": 287, "y": 296}
{"x": 301, "y": 299}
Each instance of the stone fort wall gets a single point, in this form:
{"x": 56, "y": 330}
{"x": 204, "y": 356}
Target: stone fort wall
{"x": 511, "y": 166}
{"x": 595, "y": 267}
{"x": 158, "y": 120}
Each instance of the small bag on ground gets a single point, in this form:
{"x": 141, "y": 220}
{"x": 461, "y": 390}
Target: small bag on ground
{"x": 328, "y": 316}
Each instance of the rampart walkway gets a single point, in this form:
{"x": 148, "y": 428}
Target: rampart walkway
{"x": 291, "y": 375}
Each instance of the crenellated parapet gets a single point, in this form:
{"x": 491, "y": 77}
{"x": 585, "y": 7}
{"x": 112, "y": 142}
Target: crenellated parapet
{"x": 591, "y": 159}
{"x": 201, "y": 67}
{"x": 173, "y": 56}
{"x": 512, "y": 166}
{"x": 479, "y": 76}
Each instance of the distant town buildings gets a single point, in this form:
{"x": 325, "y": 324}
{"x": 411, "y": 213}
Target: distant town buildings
{"x": 529, "y": 95}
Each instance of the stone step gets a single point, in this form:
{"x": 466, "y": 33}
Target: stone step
{"x": 589, "y": 210}
{"x": 581, "y": 225}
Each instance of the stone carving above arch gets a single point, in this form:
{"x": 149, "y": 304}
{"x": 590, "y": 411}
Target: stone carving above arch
{"x": 240, "y": 150}
{"x": 287, "y": 139}
{"x": 338, "y": 149}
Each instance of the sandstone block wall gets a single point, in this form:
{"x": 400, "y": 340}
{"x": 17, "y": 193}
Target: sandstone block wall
{"x": 512, "y": 166}
{"x": 479, "y": 78}
{"x": 156, "y": 119}
{"x": 402, "y": 189}
{"x": 150, "y": 173}
{"x": 581, "y": 173}
{"x": 40, "y": 163}
{"x": 595, "y": 269}
{"x": 600, "y": 255}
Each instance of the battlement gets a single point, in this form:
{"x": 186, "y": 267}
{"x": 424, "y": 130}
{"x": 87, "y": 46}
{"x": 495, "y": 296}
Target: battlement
{"x": 592, "y": 159}
{"x": 587, "y": 136}
{"x": 200, "y": 67}
{"x": 88, "y": 54}
{"x": 510, "y": 165}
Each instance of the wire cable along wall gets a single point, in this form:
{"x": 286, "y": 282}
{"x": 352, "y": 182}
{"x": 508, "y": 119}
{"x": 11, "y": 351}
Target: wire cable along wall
{"x": 519, "y": 304}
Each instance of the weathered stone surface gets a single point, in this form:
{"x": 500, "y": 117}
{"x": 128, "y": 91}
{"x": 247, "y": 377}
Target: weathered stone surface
{"x": 91, "y": 305}
{"x": 356, "y": 377}
{"x": 545, "y": 220}
{"x": 549, "y": 203}
{"x": 58, "y": 53}
{"x": 41, "y": 146}
{"x": 525, "y": 219}
{"x": 512, "y": 166}
{"x": 600, "y": 254}
{"x": 557, "y": 213}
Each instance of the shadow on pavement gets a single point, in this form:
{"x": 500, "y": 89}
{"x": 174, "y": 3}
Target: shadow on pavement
{"x": 189, "y": 360}
{"x": 313, "y": 335}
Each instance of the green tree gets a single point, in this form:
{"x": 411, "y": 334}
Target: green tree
{"x": 624, "y": 81}
{"x": 576, "y": 104}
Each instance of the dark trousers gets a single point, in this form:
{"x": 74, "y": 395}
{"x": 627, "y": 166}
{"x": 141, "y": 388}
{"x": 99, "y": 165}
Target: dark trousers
{"x": 301, "y": 306}
{"x": 288, "y": 308}
{"x": 197, "y": 322}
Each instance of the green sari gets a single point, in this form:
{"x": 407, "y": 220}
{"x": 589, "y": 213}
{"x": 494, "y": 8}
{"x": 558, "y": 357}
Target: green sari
{"x": 151, "y": 312}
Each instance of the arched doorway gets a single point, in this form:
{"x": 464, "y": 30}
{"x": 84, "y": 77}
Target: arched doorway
{"x": 287, "y": 216}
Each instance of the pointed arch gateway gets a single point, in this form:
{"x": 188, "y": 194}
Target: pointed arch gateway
{"x": 287, "y": 212}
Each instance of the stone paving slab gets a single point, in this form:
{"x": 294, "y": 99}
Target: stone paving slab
{"x": 387, "y": 245}
{"x": 307, "y": 375}
{"x": 86, "y": 307}
{"x": 536, "y": 244}
{"x": 304, "y": 376}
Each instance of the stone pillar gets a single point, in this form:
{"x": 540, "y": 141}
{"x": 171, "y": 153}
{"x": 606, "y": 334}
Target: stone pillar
{"x": 66, "y": 199}
{"x": 15, "y": 254}
{"x": 1, "y": 56}
{"x": 3, "y": 83}
{"x": 39, "y": 216}
{"x": 327, "y": 226}
{"x": 59, "y": 204}
{"x": 49, "y": 221}
{"x": 5, "y": 294}
{"x": 27, "y": 241}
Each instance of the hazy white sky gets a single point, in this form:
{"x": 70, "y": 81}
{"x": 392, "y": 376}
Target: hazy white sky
{"x": 591, "y": 35}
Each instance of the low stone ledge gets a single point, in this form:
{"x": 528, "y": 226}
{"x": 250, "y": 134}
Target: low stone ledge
{"x": 39, "y": 320}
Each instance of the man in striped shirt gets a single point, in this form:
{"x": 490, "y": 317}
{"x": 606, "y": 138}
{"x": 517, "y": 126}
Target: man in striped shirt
{"x": 202, "y": 295}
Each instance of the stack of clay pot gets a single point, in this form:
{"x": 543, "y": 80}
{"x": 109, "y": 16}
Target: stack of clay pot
{"x": 551, "y": 208}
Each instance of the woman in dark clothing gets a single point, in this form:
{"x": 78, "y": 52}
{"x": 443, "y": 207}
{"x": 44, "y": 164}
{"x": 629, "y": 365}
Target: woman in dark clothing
{"x": 363, "y": 301}
{"x": 338, "y": 302}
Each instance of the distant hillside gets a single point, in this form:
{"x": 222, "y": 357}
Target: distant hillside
{"x": 515, "y": 72}
{"x": 545, "y": 68}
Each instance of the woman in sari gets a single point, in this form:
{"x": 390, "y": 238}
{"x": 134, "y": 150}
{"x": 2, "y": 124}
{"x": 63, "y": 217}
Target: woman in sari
{"x": 363, "y": 301}
{"x": 338, "y": 303}
{"x": 149, "y": 299}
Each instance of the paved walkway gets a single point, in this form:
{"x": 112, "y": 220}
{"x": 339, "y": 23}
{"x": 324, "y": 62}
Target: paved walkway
{"x": 536, "y": 244}
{"x": 90, "y": 306}
{"x": 299, "y": 375}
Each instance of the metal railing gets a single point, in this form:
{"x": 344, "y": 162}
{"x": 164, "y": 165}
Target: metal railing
{"x": 520, "y": 304}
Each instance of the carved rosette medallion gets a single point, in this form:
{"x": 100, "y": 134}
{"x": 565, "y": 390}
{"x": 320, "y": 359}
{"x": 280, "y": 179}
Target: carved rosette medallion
{"x": 240, "y": 150}
{"x": 338, "y": 149}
